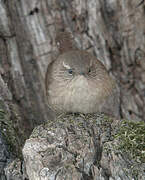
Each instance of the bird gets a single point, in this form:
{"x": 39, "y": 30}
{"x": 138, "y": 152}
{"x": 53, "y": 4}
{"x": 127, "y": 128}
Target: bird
{"x": 77, "y": 82}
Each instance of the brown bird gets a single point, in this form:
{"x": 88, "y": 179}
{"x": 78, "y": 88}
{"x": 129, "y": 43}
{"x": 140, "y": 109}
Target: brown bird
{"x": 78, "y": 82}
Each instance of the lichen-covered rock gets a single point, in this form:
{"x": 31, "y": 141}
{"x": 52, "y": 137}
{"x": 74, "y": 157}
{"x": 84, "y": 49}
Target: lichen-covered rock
{"x": 15, "y": 171}
{"x": 10, "y": 139}
{"x": 4, "y": 156}
{"x": 77, "y": 146}
{"x": 10, "y": 121}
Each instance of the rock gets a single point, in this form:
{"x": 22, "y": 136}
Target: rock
{"x": 77, "y": 146}
{"x": 15, "y": 171}
{"x": 4, "y": 157}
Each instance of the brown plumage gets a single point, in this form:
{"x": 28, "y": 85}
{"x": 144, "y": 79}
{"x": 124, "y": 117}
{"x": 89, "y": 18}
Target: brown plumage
{"x": 77, "y": 82}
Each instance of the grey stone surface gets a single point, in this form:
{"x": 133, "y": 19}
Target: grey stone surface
{"x": 78, "y": 147}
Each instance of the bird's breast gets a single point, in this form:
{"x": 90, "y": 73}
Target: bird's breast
{"x": 78, "y": 84}
{"x": 77, "y": 95}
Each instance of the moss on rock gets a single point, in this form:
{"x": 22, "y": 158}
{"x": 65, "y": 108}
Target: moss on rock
{"x": 131, "y": 136}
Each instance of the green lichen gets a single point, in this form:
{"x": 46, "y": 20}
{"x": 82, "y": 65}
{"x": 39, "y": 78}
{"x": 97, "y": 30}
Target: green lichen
{"x": 131, "y": 136}
{"x": 9, "y": 132}
{"x": 2, "y": 114}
